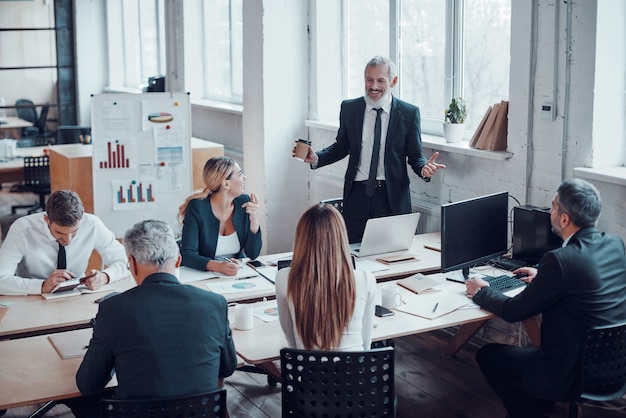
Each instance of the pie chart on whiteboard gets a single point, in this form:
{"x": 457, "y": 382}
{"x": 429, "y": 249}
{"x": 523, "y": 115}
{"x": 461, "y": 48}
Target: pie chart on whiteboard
{"x": 160, "y": 117}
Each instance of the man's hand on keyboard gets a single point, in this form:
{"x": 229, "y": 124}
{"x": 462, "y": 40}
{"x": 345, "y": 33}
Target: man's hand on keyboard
{"x": 530, "y": 273}
{"x": 473, "y": 286}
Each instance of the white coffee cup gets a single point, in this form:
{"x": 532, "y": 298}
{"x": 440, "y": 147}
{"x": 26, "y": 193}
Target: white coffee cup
{"x": 244, "y": 316}
{"x": 391, "y": 297}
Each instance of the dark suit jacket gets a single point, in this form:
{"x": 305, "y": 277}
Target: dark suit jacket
{"x": 201, "y": 228}
{"x": 576, "y": 287}
{"x": 403, "y": 144}
{"x": 162, "y": 339}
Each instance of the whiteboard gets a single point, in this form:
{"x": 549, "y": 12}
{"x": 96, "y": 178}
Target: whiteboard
{"x": 141, "y": 159}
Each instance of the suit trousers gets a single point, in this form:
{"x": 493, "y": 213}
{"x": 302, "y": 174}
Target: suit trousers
{"x": 359, "y": 207}
{"x": 503, "y": 367}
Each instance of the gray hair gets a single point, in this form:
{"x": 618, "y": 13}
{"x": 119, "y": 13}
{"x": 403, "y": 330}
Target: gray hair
{"x": 378, "y": 60}
{"x": 151, "y": 242}
{"x": 580, "y": 200}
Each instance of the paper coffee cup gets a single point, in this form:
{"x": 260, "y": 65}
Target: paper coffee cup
{"x": 244, "y": 317}
{"x": 302, "y": 149}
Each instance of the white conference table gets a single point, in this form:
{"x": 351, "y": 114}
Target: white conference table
{"x": 13, "y": 126}
{"x": 263, "y": 342}
{"x": 33, "y": 315}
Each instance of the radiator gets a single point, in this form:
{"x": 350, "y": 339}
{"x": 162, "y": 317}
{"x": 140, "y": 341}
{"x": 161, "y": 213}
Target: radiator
{"x": 324, "y": 188}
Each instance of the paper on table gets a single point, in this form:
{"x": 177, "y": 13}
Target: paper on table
{"x": 371, "y": 266}
{"x": 71, "y": 344}
{"x": 4, "y": 310}
{"x": 266, "y": 313}
{"x": 187, "y": 275}
{"x": 424, "y": 304}
{"x": 255, "y": 284}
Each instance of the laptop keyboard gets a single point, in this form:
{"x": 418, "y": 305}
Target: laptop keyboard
{"x": 504, "y": 282}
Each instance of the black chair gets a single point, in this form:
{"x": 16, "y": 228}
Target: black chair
{"x": 36, "y": 180}
{"x": 210, "y": 404}
{"x": 26, "y": 110}
{"x": 603, "y": 366}
{"x": 336, "y": 202}
{"x": 337, "y": 383}
{"x": 73, "y": 134}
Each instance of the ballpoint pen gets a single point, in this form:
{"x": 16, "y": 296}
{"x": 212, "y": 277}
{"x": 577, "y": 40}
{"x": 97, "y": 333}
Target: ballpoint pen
{"x": 436, "y": 306}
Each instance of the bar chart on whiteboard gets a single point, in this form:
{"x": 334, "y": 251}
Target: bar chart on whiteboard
{"x": 141, "y": 157}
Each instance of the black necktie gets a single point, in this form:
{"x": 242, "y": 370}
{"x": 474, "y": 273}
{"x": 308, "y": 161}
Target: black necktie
{"x": 61, "y": 263}
{"x": 371, "y": 181}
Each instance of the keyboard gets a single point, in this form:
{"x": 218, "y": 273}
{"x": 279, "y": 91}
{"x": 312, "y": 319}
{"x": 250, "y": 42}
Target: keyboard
{"x": 507, "y": 263}
{"x": 504, "y": 282}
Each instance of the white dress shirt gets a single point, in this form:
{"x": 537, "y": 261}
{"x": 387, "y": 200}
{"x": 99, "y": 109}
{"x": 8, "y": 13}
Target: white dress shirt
{"x": 29, "y": 253}
{"x": 367, "y": 141}
{"x": 358, "y": 334}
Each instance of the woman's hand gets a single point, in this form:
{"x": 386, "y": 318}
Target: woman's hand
{"x": 252, "y": 208}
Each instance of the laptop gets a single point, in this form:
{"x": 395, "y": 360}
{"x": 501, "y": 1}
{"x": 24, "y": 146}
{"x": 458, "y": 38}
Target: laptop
{"x": 387, "y": 234}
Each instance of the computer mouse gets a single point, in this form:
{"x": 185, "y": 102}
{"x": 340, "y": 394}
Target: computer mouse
{"x": 520, "y": 275}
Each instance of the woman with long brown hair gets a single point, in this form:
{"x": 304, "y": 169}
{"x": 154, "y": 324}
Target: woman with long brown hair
{"x": 220, "y": 222}
{"x": 323, "y": 303}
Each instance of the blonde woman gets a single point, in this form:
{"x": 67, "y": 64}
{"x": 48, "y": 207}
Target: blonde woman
{"x": 323, "y": 303}
{"x": 220, "y": 223}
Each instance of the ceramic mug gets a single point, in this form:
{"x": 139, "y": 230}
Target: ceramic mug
{"x": 391, "y": 297}
{"x": 244, "y": 316}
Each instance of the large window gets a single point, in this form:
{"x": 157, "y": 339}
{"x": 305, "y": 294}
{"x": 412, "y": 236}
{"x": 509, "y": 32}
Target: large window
{"x": 442, "y": 49}
{"x": 214, "y": 50}
{"x": 136, "y": 35}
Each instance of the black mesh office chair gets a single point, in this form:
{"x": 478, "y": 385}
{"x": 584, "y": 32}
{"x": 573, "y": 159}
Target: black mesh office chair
{"x": 603, "y": 366}
{"x": 36, "y": 180}
{"x": 337, "y": 383}
{"x": 26, "y": 110}
{"x": 211, "y": 404}
{"x": 336, "y": 202}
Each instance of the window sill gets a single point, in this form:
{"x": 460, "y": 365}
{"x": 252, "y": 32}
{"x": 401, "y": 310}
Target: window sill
{"x": 219, "y": 106}
{"x": 613, "y": 175}
{"x": 437, "y": 143}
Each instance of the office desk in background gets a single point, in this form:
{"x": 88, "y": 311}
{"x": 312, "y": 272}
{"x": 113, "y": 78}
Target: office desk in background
{"x": 12, "y": 171}
{"x": 12, "y": 128}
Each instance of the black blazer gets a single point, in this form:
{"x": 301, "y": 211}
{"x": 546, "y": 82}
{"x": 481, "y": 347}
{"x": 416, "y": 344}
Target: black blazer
{"x": 403, "y": 144}
{"x": 162, "y": 339}
{"x": 577, "y": 286}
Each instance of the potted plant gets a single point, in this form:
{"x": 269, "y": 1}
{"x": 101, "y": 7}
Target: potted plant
{"x": 454, "y": 126}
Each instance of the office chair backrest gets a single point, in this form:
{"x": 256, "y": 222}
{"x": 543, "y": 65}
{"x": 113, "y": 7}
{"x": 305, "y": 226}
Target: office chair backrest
{"x": 337, "y": 383}
{"x": 211, "y": 404}
{"x": 603, "y": 366}
{"x": 37, "y": 172}
{"x": 337, "y": 202}
{"x": 43, "y": 118}
{"x": 26, "y": 110}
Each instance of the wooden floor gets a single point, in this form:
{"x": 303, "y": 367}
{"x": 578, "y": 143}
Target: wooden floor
{"x": 428, "y": 384}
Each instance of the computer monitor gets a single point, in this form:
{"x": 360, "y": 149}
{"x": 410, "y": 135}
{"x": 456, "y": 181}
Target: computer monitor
{"x": 532, "y": 233}
{"x": 473, "y": 231}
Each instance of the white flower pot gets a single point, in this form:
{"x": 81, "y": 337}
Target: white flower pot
{"x": 453, "y": 132}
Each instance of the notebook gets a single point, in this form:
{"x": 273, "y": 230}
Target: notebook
{"x": 387, "y": 234}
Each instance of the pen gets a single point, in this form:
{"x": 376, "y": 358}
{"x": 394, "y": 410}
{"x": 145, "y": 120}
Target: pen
{"x": 232, "y": 262}
{"x": 436, "y": 306}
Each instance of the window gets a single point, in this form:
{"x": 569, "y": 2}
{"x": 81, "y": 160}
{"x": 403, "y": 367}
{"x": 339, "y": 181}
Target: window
{"x": 214, "y": 50}
{"x": 442, "y": 49}
{"x": 137, "y": 46}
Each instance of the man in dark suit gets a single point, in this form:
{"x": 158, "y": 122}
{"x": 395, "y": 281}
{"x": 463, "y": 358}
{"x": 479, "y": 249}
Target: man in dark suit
{"x": 399, "y": 141}
{"x": 580, "y": 285}
{"x": 161, "y": 338}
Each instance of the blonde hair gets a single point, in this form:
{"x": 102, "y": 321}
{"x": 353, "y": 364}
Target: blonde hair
{"x": 215, "y": 171}
{"x": 321, "y": 282}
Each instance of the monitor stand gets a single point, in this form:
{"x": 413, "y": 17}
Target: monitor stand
{"x": 459, "y": 276}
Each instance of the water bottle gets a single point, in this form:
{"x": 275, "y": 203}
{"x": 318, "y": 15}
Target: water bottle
{"x": 3, "y": 111}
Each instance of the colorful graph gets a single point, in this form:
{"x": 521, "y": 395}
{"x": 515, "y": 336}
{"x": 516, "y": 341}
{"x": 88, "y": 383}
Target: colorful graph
{"x": 116, "y": 156}
{"x": 272, "y": 311}
{"x": 136, "y": 192}
{"x": 243, "y": 285}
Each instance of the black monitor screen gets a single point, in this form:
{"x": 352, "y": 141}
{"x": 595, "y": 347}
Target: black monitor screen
{"x": 473, "y": 231}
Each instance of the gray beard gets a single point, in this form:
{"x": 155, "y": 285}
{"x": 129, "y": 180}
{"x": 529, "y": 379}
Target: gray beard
{"x": 376, "y": 103}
